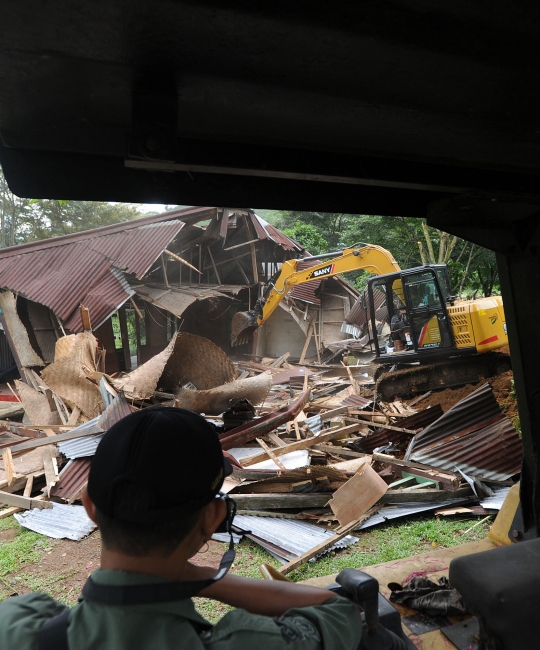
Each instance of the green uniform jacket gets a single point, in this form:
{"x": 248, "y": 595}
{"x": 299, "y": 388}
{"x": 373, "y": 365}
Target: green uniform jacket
{"x": 164, "y": 626}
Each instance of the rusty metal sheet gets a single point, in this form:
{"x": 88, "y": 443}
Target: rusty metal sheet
{"x": 136, "y": 249}
{"x": 266, "y": 230}
{"x": 257, "y": 428}
{"x": 358, "y": 317}
{"x": 73, "y": 478}
{"x": 102, "y": 300}
{"x": 383, "y": 437}
{"x": 85, "y": 268}
{"x": 307, "y": 290}
{"x": 357, "y": 401}
{"x": 473, "y": 436}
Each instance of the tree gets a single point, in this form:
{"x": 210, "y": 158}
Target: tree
{"x": 310, "y": 238}
{"x": 24, "y": 220}
{"x": 411, "y": 241}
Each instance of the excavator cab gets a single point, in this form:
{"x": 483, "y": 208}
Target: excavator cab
{"x": 408, "y": 314}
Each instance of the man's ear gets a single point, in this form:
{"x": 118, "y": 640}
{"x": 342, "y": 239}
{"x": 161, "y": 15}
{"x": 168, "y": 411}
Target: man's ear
{"x": 212, "y": 516}
{"x": 89, "y": 505}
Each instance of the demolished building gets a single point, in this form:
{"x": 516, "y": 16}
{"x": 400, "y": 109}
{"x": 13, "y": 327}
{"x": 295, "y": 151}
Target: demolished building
{"x": 186, "y": 270}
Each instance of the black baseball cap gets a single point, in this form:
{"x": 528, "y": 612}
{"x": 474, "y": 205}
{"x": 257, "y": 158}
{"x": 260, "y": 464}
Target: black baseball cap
{"x": 157, "y": 463}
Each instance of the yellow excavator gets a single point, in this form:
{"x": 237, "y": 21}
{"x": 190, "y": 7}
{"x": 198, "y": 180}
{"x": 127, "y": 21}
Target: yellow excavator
{"x": 423, "y": 337}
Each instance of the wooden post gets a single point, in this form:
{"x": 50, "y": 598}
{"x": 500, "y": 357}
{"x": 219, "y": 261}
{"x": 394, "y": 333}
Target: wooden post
{"x": 125, "y": 337}
{"x": 85, "y": 318}
{"x": 214, "y": 265}
{"x": 254, "y": 264}
{"x": 164, "y": 268}
{"x": 306, "y": 343}
{"x": 138, "y": 336}
{"x": 9, "y": 467}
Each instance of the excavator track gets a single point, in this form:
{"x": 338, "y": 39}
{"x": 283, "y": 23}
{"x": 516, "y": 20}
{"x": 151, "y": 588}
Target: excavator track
{"x": 414, "y": 379}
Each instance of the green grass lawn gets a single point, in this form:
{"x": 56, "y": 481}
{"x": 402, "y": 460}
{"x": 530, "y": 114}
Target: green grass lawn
{"x": 390, "y": 541}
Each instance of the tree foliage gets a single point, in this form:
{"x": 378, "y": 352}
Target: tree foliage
{"x": 309, "y": 236}
{"x": 411, "y": 241}
{"x": 25, "y": 220}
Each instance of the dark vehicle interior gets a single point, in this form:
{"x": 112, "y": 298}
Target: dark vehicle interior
{"x": 408, "y": 108}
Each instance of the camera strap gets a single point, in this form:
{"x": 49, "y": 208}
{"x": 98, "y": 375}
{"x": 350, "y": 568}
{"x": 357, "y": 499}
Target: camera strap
{"x": 53, "y": 633}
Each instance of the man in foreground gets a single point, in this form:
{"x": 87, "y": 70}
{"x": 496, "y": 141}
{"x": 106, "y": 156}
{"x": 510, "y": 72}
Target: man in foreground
{"x": 153, "y": 490}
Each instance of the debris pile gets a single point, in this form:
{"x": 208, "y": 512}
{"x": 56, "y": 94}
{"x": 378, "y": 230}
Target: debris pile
{"x": 317, "y": 456}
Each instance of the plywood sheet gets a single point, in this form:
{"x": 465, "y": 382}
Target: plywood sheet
{"x": 360, "y": 492}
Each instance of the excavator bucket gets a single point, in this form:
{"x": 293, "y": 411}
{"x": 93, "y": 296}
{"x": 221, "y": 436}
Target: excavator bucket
{"x": 244, "y": 323}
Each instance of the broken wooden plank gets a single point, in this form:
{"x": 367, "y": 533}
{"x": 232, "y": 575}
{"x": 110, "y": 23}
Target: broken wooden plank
{"x": 340, "y": 451}
{"x": 390, "y": 428}
{"x": 332, "y": 434}
{"x": 306, "y": 343}
{"x": 214, "y": 265}
{"x": 448, "y": 480}
{"x": 276, "y": 439}
{"x": 399, "y": 496}
{"x": 67, "y": 435}
{"x": 182, "y": 260}
{"x": 269, "y": 501}
{"x": 85, "y": 318}
{"x": 323, "y": 546}
{"x": 51, "y": 468}
{"x": 23, "y": 502}
{"x": 28, "y": 487}
{"x": 418, "y": 399}
{"x": 72, "y": 418}
{"x": 9, "y": 467}
{"x": 270, "y": 453}
{"x": 245, "y": 243}
{"x": 277, "y": 363}
{"x": 359, "y": 493}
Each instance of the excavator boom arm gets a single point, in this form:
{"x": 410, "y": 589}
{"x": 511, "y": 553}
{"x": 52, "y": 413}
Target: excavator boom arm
{"x": 368, "y": 257}
{"x": 374, "y": 259}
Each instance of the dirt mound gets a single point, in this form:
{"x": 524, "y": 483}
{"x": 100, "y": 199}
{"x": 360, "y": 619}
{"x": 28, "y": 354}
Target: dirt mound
{"x": 501, "y": 385}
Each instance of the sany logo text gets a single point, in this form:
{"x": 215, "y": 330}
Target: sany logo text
{"x": 326, "y": 270}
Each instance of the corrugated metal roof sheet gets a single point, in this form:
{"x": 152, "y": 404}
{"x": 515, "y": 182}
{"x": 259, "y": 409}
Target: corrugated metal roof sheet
{"x": 60, "y": 521}
{"x": 135, "y": 250}
{"x": 290, "y": 538}
{"x": 495, "y": 502}
{"x": 405, "y": 510}
{"x": 266, "y": 230}
{"x": 117, "y": 410}
{"x": 357, "y": 318}
{"x": 473, "y": 436}
{"x": 73, "y": 478}
{"x": 357, "y": 401}
{"x": 306, "y": 291}
{"x": 85, "y": 270}
{"x": 80, "y": 447}
{"x": 384, "y": 437}
{"x": 474, "y": 411}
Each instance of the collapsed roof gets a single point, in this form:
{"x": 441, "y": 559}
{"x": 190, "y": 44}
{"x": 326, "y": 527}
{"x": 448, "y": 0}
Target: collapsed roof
{"x": 102, "y": 268}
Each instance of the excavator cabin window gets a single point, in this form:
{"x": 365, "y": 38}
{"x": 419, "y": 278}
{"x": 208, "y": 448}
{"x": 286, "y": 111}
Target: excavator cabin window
{"x": 408, "y": 310}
